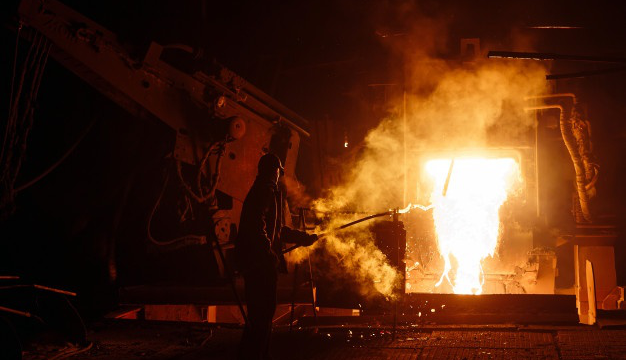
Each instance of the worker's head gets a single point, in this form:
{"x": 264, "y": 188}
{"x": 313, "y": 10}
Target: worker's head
{"x": 270, "y": 167}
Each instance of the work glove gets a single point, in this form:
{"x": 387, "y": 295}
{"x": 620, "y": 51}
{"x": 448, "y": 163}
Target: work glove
{"x": 310, "y": 239}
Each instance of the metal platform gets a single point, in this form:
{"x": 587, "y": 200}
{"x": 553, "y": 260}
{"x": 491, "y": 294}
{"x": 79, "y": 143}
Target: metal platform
{"x": 465, "y": 309}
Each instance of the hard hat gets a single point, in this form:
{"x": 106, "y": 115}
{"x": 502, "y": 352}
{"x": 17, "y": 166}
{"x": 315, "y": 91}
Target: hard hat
{"x": 270, "y": 162}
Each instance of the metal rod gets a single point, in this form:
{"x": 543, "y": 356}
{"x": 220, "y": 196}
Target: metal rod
{"x": 290, "y": 248}
{"x": 555, "y": 27}
{"x": 301, "y": 213}
{"x": 570, "y": 144}
{"x": 308, "y": 255}
{"x": 537, "y": 176}
{"x": 41, "y": 287}
{"x": 404, "y": 152}
{"x": 16, "y": 312}
{"x": 231, "y": 280}
{"x": 313, "y": 297}
{"x": 293, "y": 295}
{"x": 13, "y": 286}
{"x": 445, "y": 186}
{"x": 21, "y": 313}
{"x": 390, "y": 212}
{"x": 395, "y": 300}
{"x": 582, "y": 74}
{"x": 552, "y": 56}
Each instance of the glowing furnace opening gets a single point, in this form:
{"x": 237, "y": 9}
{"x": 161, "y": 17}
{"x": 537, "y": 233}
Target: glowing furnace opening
{"x": 467, "y": 195}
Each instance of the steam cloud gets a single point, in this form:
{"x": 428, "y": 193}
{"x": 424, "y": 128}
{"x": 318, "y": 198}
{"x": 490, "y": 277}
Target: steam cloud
{"x": 449, "y": 105}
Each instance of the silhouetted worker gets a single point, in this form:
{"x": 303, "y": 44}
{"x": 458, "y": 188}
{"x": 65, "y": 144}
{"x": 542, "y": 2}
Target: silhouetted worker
{"x": 258, "y": 248}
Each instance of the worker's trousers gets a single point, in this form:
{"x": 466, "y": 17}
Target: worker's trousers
{"x": 260, "y": 290}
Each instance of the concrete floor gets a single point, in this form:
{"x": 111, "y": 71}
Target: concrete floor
{"x": 133, "y": 340}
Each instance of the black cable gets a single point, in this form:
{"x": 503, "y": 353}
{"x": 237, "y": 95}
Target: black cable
{"x": 5, "y": 161}
{"x": 201, "y": 197}
{"x": 27, "y": 117}
{"x": 58, "y": 162}
{"x": 17, "y": 41}
{"x": 196, "y": 239}
{"x": 19, "y": 121}
{"x": 12, "y": 123}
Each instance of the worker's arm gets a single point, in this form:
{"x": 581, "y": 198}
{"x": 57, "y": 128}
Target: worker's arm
{"x": 291, "y": 236}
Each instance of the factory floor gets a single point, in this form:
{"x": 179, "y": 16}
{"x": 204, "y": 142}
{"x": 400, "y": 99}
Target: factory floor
{"x": 134, "y": 340}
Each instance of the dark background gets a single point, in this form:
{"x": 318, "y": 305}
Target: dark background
{"x": 319, "y": 58}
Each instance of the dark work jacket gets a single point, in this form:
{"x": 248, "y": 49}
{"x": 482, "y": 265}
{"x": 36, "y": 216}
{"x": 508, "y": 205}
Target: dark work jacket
{"x": 258, "y": 245}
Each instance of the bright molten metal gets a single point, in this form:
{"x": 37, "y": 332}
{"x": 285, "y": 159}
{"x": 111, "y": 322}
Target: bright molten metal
{"x": 467, "y": 217}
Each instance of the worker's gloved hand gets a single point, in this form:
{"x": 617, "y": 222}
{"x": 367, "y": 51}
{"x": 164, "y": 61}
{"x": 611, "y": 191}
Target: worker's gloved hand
{"x": 311, "y": 238}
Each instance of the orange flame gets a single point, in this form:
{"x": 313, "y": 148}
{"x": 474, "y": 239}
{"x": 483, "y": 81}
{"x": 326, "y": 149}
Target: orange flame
{"x": 466, "y": 218}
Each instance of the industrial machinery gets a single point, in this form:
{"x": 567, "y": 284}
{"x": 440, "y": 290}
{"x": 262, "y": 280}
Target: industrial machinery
{"x": 223, "y": 124}
{"x": 548, "y": 233}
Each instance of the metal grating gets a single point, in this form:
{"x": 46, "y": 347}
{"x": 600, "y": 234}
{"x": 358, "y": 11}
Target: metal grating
{"x": 592, "y": 344}
{"x": 369, "y": 354}
{"x": 437, "y": 353}
{"x": 491, "y": 339}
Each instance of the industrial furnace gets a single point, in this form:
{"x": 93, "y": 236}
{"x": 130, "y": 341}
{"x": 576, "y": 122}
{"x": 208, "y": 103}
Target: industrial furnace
{"x": 511, "y": 217}
{"x": 476, "y": 239}
{"x": 514, "y": 217}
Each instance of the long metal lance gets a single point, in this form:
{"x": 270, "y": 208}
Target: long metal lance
{"x": 445, "y": 186}
{"x": 386, "y": 213}
{"x": 390, "y": 212}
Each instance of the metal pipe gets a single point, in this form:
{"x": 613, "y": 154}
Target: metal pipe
{"x": 537, "y": 180}
{"x": 9, "y": 277}
{"x": 550, "y": 96}
{"x": 404, "y": 152}
{"x": 582, "y": 74}
{"x": 293, "y": 296}
{"x": 390, "y": 212}
{"x": 16, "y": 312}
{"x": 21, "y": 313}
{"x": 396, "y": 223}
{"x": 552, "y": 56}
{"x": 41, "y": 287}
{"x": 308, "y": 255}
{"x": 570, "y": 144}
{"x": 445, "y": 186}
